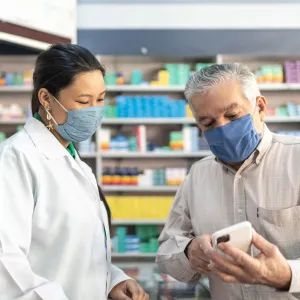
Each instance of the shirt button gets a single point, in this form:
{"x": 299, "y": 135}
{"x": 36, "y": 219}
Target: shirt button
{"x": 247, "y": 285}
{"x": 240, "y": 211}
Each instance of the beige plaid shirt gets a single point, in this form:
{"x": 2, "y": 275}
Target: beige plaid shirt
{"x": 264, "y": 191}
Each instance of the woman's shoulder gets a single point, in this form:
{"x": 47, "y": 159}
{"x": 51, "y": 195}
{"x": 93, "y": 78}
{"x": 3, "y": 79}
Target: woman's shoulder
{"x": 19, "y": 143}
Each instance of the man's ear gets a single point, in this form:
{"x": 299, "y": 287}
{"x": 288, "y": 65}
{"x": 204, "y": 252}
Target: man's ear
{"x": 261, "y": 103}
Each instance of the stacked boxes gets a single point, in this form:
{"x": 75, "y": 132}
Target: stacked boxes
{"x": 269, "y": 74}
{"x": 140, "y": 207}
{"x": 149, "y": 107}
{"x": 143, "y": 241}
{"x": 292, "y": 71}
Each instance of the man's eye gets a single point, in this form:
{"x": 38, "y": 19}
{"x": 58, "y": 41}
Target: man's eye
{"x": 208, "y": 125}
{"x": 232, "y": 116}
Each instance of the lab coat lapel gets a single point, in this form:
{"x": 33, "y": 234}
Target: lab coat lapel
{"x": 88, "y": 175}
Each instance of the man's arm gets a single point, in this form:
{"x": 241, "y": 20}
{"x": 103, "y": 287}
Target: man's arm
{"x": 175, "y": 237}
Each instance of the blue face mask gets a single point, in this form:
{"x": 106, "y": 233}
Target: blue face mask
{"x": 81, "y": 123}
{"x": 235, "y": 141}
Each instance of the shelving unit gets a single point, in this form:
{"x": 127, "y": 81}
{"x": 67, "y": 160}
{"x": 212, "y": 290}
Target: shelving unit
{"x": 138, "y": 222}
{"x": 157, "y": 89}
{"x": 155, "y": 189}
{"x": 157, "y": 121}
{"x": 112, "y": 154}
{"x": 133, "y": 255}
{"x": 276, "y": 93}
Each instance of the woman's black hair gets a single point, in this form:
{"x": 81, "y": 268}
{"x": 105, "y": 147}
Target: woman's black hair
{"x": 57, "y": 68}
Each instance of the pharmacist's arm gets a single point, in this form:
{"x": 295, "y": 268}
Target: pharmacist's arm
{"x": 117, "y": 276}
{"x": 175, "y": 237}
{"x": 17, "y": 187}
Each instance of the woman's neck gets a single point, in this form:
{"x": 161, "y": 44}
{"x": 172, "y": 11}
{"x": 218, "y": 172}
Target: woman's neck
{"x": 43, "y": 116}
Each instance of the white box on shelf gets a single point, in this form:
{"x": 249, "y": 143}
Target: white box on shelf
{"x": 187, "y": 139}
{"x": 141, "y": 138}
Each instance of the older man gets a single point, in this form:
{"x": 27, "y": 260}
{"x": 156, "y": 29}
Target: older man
{"x": 254, "y": 175}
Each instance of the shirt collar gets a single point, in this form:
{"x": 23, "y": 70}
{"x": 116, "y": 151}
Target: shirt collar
{"x": 264, "y": 145}
{"x": 44, "y": 140}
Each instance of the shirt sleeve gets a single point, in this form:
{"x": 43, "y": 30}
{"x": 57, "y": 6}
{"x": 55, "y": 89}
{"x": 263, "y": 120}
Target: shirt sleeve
{"x": 175, "y": 237}
{"x": 295, "y": 283}
{"x": 17, "y": 189}
{"x": 117, "y": 276}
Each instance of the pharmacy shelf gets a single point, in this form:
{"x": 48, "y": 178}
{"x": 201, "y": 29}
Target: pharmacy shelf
{"x": 180, "y": 88}
{"x": 88, "y": 154}
{"x": 161, "y": 121}
{"x": 166, "y": 121}
{"x": 16, "y": 89}
{"x": 282, "y": 119}
{"x": 13, "y": 122}
{"x": 113, "y": 154}
{"x": 147, "y": 121}
{"x": 130, "y": 188}
{"x": 133, "y": 255}
{"x": 138, "y": 222}
{"x": 144, "y": 88}
{"x": 279, "y": 86}
{"x": 153, "y": 89}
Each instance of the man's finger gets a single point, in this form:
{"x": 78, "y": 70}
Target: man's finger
{"x": 202, "y": 271}
{"x": 219, "y": 263}
{"x": 199, "y": 262}
{"x": 226, "y": 277}
{"x": 239, "y": 257}
{"x": 262, "y": 244}
{"x": 206, "y": 246}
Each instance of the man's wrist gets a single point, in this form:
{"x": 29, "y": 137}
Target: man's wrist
{"x": 286, "y": 281}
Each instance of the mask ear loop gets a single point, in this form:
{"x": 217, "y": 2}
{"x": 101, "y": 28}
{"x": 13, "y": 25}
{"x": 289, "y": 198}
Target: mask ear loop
{"x": 60, "y": 104}
{"x": 50, "y": 117}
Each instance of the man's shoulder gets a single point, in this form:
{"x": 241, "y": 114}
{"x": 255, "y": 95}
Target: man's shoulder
{"x": 208, "y": 162}
{"x": 286, "y": 140}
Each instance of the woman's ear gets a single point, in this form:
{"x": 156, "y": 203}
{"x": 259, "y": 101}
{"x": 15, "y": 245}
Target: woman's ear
{"x": 44, "y": 98}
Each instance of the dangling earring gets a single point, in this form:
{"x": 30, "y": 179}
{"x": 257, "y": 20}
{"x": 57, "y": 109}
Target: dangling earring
{"x": 49, "y": 118}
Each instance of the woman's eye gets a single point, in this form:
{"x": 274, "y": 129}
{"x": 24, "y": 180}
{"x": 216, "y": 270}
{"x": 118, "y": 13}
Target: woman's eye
{"x": 83, "y": 102}
{"x": 100, "y": 100}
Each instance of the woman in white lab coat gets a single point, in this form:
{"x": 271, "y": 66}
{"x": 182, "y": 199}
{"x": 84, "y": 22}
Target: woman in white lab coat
{"x": 54, "y": 233}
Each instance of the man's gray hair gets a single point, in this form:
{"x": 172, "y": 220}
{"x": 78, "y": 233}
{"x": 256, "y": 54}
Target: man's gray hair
{"x": 201, "y": 82}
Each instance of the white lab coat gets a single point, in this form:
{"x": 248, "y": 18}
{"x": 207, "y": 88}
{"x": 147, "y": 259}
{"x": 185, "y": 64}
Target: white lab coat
{"x": 52, "y": 238}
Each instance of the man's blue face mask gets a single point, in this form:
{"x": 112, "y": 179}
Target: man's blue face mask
{"x": 81, "y": 123}
{"x": 235, "y": 141}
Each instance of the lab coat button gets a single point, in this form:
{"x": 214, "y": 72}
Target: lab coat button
{"x": 240, "y": 211}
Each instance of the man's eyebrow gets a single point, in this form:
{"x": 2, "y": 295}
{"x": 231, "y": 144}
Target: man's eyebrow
{"x": 232, "y": 105}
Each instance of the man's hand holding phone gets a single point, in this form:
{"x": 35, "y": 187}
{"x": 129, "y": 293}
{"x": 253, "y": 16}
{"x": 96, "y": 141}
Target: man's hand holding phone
{"x": 198, "y": 252}
{"x": 268, "y": 268}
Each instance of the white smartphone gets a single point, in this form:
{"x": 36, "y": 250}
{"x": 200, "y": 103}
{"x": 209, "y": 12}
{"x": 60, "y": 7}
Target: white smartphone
{"x": 238, "y": 235}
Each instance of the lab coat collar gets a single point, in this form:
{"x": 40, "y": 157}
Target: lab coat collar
{"x": 44, "y": 140}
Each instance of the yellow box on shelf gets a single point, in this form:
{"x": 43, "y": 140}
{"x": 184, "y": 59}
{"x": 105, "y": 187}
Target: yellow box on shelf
{"x": 139, "y": 207}
{"x": 189, "y": 113}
